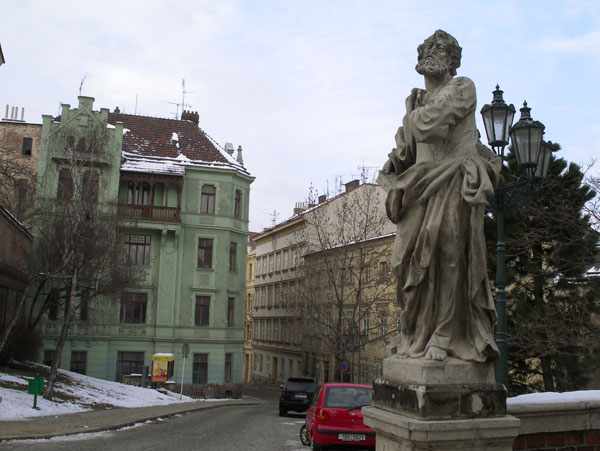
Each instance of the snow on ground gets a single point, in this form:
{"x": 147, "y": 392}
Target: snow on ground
{"x": 86, "y": 391}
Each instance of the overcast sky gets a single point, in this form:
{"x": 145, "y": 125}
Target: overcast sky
{"x": 312, "y": 90}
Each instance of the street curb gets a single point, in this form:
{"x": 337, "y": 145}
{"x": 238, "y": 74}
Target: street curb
{"x": 124, "y": 424}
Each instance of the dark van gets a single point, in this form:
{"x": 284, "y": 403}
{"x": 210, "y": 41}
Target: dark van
{"x": 296, "y": 394}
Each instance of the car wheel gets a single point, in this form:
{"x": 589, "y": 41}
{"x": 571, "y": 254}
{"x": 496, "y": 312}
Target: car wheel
{"x": 303, "y": 437}
{"x": 282, "y": 412}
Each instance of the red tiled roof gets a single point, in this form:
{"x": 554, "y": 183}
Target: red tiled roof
{"x": 251, "y": 241}
{"x": 153, "y": 137}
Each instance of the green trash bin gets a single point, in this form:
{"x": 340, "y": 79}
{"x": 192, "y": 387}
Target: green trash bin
{"x": 35, "y": 387}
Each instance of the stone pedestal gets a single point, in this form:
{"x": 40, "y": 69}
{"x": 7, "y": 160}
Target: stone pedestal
{"x": 449, "y": 405}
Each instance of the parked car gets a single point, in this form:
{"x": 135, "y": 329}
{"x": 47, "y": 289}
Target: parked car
{"x": 334, "y": 418}
{"x": 296, "y": 394}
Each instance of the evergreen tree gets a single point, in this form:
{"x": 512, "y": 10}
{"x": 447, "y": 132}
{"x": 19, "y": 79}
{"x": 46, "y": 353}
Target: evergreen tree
{"x": 553, "y": 335}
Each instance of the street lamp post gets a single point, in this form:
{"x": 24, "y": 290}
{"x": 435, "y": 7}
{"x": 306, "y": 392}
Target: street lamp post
{"x": 533, "y": 155}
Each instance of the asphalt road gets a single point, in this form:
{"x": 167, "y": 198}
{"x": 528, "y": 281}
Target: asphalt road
{"x": 220, "y": 429}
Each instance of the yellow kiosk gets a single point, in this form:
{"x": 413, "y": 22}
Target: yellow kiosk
{"x": 163, "y": 365}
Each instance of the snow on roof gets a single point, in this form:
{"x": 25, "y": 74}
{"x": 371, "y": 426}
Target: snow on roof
{"x": 168, "y": 140}
{"x": 158, "y": 166}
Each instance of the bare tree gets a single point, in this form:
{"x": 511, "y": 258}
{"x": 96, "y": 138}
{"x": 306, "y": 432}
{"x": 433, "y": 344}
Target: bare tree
{"x": 17, "y": 187}
{"x": 592, "y": 208}
{"x": 346, "y": 289}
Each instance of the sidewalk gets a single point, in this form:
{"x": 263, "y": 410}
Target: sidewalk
{"x": 103, "y": 420}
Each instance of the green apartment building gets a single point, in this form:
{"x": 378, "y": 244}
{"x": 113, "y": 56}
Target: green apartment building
{"x": 183, "y": 202}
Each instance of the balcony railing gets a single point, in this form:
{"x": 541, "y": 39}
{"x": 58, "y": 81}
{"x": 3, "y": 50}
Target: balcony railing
{"x": 150, "y": 213}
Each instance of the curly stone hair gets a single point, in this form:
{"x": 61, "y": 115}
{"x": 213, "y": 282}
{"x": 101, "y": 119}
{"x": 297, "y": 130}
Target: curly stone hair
{"x": 454, "y": 49}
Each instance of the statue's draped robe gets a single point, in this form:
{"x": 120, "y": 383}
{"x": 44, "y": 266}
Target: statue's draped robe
{"x": 440, "y": 181}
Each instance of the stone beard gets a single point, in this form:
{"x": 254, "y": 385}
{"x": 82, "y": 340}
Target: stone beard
{"x": 439, "y": 179}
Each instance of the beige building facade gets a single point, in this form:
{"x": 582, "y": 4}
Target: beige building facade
{"x": 276, "y": 343}
{"x": 291, "y": 331}
{"x": 250, "y": 279}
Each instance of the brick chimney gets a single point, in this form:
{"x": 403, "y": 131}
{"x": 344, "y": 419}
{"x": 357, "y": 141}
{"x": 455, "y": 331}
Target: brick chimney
{"x": 352, "y": 185}
{"x": 190, "y": 116}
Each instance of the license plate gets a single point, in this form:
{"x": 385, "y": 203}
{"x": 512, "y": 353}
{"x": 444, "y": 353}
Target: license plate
{"x": 300, "y": 396}
{"x": 352, "y": 437}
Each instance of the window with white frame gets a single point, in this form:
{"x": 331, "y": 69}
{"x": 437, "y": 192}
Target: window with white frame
{"x": 207, "y": 199}
{"x": 365, "y": 324}
{"x": 286, "y": 259}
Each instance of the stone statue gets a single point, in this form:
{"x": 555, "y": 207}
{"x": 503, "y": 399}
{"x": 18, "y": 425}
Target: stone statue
{"x": 439, "y": 179}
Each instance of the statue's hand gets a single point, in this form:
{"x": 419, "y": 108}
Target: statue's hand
{"x": 415, "y": 99}
{"x": 411, "y": 101}
{"x": 388, "y": 167}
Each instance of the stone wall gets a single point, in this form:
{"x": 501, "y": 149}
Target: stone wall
{"x": 559, "y": 426}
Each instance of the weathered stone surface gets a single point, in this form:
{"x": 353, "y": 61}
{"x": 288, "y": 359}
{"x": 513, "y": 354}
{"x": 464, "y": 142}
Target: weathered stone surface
{"x": 396, "y": 432}
{"x": 428, "y": 372}
{"x": 441, "y": 401}
{"x": 557, "y": 417}
{"x": 439, "y": 179}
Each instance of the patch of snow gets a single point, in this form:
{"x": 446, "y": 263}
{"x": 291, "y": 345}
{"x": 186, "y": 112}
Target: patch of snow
{"x": 110, "y": 126}
{"x": 86, "y": 391}
{"x": 184, "y": 160}
{"x": 162, "y": 166}
{"x": 13, "y": 379}
{"x": 553, "y": 398}
{"x": 175, "y": 137}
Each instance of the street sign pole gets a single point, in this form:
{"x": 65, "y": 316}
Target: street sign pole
{"x": 182, "y": 372}
{"x": 343, "y": 369}
{"x": 185, "y": 350}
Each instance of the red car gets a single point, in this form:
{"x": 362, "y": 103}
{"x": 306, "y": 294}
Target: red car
{"x": 334, "y": 417}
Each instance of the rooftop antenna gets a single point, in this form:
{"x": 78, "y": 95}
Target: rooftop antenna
{"x": 338, "y": 184}
{"x": 182, "y": 104}
{"x": 82, "y": 82}
{"x": 365, "y": 172}
{"x": 273, "y": 217}
{"x": 183, "y": 93}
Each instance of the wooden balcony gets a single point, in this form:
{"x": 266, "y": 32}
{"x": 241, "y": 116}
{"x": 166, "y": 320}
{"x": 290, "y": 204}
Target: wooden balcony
{"x": 149, "y": 213}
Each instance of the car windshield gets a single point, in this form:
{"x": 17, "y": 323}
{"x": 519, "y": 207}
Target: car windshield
{"x": 347, "y": 397}
{"x": 301, "y": 386}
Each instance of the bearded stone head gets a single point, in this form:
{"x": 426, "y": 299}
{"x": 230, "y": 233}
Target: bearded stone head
{"x": 438, "y": 55}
